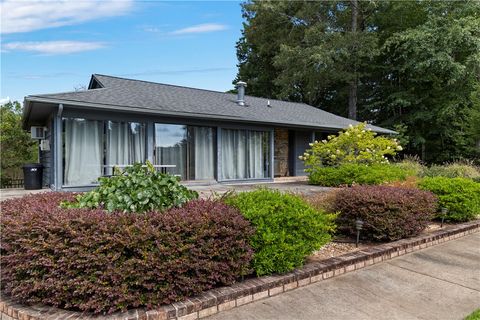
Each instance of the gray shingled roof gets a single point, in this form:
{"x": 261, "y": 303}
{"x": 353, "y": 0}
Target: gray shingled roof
{"x": 137, "y": 95}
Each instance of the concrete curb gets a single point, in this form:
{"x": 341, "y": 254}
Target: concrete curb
{"x": 226, "y": 298}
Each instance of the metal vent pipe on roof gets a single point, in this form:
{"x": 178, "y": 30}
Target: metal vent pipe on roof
{"x": 241, "y": 92}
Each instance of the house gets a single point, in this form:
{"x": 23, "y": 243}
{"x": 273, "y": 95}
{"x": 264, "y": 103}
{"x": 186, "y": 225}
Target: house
{"x": 207, "y": 136}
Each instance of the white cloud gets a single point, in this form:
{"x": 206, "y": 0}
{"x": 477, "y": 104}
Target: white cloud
{"x": 201, "y": 28}
{"x": 53, "y": 47}
{"x": 151, "y": 29}
{"x": 4, "y": 100}
{"x": 31, "y": 15}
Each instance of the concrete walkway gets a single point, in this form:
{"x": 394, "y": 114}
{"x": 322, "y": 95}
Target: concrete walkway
{"x": 440, "y": 282}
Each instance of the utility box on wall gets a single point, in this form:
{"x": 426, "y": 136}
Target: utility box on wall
{"x": 38, "y": 132}
{"x": 45, "y": 145}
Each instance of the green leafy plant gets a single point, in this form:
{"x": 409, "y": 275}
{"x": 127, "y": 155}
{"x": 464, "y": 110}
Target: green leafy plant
{"x": 287, "y": 228}
{"x": 357, "y": 144}
{"x": 388, "y": 213}
{"x": 137, "y": 189}
{"x": 460, "y": 196}
{"x": 353, "y": 173}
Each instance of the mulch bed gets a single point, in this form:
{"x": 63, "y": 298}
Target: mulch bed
{"x": 342, "y": 245}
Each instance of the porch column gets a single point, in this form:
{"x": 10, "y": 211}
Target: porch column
{"x": 272, "y": 154}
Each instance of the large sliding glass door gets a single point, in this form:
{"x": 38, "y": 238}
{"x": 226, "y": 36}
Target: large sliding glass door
{"x": 93, "y": 147}
{"x": 245, "y": 154}
{"x": 171, "y": 147}
{"x": 191, "y": 149}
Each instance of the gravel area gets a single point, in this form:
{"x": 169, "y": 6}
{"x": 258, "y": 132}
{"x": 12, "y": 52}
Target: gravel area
{"x": 334, "y": 249}
{"x": 342, "y": 246}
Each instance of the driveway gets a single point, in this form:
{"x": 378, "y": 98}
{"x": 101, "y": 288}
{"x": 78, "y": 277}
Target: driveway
{"x": 440, "y": 282}
{"x": 17, "y": 193}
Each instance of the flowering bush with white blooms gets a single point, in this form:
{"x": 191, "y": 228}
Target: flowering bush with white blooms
{"x": 357, "y": 144}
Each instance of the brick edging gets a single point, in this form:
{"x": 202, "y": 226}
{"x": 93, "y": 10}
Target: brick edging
{"x": 225, "y": 298}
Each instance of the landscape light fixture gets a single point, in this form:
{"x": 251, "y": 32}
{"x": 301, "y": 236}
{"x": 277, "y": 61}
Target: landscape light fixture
{"x": 358, "y": 226}
{"x": 443, "y": 214}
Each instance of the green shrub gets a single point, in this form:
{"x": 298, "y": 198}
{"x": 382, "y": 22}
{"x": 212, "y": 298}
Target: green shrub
{"x": 357, "y": 144}
{"x": 349, "y": 174}
{"x": 453, "y": 170}
{"x": 287, "y": 229}
{"x": 388, "y": 213}
{"x": 136, "y": 189}
{"x": 460, "y": 196}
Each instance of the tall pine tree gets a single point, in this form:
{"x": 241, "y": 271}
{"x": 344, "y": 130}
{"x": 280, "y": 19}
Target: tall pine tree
{"x": 411, "y": 65}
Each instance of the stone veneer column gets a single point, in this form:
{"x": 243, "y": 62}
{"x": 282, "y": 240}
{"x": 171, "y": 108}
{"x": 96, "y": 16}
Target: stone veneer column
{"x": 281, "y": 152}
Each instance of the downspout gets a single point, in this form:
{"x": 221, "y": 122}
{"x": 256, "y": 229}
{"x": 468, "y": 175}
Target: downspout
{"x": 58, "y": 146}
{"x": 271, "y": 166}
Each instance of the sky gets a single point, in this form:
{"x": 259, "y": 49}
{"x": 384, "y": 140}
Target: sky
{"x": 50, "y": 46}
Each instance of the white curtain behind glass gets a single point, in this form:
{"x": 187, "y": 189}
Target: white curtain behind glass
{"x": 233, "y": 154}
{"x": 244, "y": 154}
{"x": 256, "y": 156}
{"x": 83, "y": 151}
{"x": 125, "y": 143}
{"x": 203, "y": 140}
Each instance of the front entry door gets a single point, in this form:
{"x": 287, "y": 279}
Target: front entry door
{"x": 299, "y": 142}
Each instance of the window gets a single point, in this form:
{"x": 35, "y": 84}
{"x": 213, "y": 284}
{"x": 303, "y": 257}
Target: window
{"x": 245, "y": 154}
{"x": 125, "y": 143}
{"x": 83, "y": 151}
{"x": 191, "y": 149}
{"x": 319, "y": 135}
{"x": 93, "y": 147}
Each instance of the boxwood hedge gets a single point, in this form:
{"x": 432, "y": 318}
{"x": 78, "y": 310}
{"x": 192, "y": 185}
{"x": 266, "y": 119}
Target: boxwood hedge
{"x": 461, "y": 196}
{"x": 287, "y": 229}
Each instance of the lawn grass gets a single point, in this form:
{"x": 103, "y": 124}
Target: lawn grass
{"x": 475, "y": 315}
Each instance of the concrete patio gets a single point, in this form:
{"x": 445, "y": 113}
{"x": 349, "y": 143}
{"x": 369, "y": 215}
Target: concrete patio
{"x": 294, "y": 185}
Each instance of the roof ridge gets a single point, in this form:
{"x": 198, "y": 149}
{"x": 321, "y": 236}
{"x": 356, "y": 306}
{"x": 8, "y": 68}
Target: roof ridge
{"x": 159, "y": 83}
{"x": 200, "y": 89}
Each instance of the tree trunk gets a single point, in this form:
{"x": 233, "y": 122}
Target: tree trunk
{"x": 352, "y": 100}
{"x": 353, "y": 85}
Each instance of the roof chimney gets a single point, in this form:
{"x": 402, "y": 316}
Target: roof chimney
{"x": 241, "y": 92}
